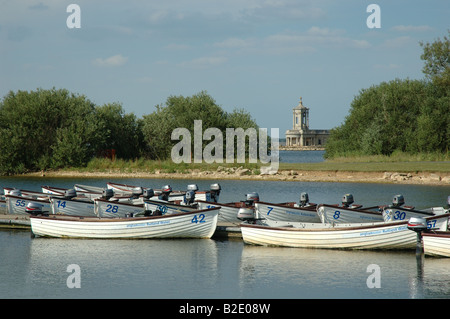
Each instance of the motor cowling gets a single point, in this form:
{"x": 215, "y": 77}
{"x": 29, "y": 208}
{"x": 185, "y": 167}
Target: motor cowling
{"x": 70, "y": 193}
{"x": 34, "y": 208}
{"x": 107, "y": 193}
{"x": 347, "y": 200}
{"x": 398, "y": 201}
{"x": 148, "y": 193}
{"x": 192, "y": 187}
{"x": 304, "y": 199}
{"x": 417, "y": 224}
{"x": 189, "y": 197}
{"x": 251, "y": 198}
{"x": 166, "y": 190}
{"x": 136, "y": 192}
{"x": 245, "y": 214}
{"x": 215, "y": 192}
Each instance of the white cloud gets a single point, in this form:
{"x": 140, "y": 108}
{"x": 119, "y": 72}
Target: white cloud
{"x": 412, "y": 28}
{"x": 205, "y": 62}
{"x": 115, "y": 60}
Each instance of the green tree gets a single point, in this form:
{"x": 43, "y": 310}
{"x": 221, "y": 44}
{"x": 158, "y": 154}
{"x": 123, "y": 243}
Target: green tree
{"x": 44, "y": 129}
{"x": 119, "y": 131}
{"x": 181, "y": 112}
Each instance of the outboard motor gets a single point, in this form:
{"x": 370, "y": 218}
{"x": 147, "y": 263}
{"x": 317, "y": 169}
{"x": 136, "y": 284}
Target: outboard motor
{"x": 419, "y": 225}
{"x": 107, "y": 193}
{"x": 246, "y": 214}
{"x": 148, "y": 193}
{"x": 398, "y": 201}
{"x": 189, "y": 197}
{"x": 165, "y": 193}
{"x": 34, "y": 209}
{"x": 347, "y": 200}
{"x": 304, "y": 199}
{"x": 251, "y": 198}
{"x": 215, "y": 192}
{"x": 136, "y": 192}
{"x": 70, "y": 193}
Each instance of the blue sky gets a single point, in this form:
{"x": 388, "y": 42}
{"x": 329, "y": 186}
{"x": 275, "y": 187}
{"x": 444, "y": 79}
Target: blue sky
{"x": 259, "y": 55}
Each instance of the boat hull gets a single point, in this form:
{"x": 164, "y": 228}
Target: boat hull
{"x": 286, "y": 212}
{"x": 72, "y": 207}
{"x": 228, "y": 212}
{"x": 198, "y": 224}
{"x": 109, "y": 209}
{"x": 336, "y": 214}
{"x": 166, "y": 207}
{"x": 436, "y": 244}
{"x": 395, "y": 235}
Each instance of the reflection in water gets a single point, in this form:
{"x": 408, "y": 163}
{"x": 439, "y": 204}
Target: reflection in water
{"x": 121, "y": 268}
{"x": 317, "y": 273}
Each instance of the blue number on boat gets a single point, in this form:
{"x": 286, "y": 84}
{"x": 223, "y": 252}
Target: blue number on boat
{"x": 199, "y": 219}
{"x": 162, "y": 209}
{"x": 112, "y": 208}
{"x": 270, "y": 209}
{"x": 61, "y": 204}
{"x": 336, "y": 214}
{"x": 398, "y": 215}
{"x": 431, "y": 224}
{"x": 20, "y": 203}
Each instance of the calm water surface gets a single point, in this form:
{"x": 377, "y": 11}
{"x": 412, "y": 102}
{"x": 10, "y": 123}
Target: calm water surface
{"x": 220, "y": 269}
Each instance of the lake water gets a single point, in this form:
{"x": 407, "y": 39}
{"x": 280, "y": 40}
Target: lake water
{"x": 221, "y": 269}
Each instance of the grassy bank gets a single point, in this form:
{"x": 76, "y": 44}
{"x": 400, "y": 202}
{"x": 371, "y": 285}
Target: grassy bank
{"x": 377, "y": 163}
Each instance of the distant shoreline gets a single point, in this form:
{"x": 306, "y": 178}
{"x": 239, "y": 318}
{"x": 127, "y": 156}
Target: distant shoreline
{"x": 417, "y": 178}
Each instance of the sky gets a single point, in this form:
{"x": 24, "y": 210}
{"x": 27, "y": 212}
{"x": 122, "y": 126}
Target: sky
{"x": 257, "y": 55}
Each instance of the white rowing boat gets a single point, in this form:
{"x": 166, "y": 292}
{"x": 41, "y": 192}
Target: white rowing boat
{"x": 197, "y": 224}
{"x": 107, "y": 209}
{"x": 287, "y": 212}
{"x": 337, "y": 214}
{"x": 394, "y": 235}
{"x": 436, "y": 243}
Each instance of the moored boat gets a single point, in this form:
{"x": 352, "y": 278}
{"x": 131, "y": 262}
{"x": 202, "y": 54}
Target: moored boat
{"x": 436, "y": 243}
{"x": 348, "y": 212}
{"x": 380, "y": 235}
{"x": 303, "y": 211}
{"x": 197, "y": 224}
{"x": 398, "y": 212}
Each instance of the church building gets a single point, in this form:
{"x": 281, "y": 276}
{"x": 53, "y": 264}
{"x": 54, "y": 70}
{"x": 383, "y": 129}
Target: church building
{"x": 301, "y": 136}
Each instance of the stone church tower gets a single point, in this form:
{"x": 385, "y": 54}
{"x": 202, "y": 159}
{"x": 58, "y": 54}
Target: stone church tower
{"x": 301, "y": 136}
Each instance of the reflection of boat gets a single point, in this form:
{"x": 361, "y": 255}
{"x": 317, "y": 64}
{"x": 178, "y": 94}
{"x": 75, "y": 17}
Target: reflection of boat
{"x": 197, "y": 224}
{"x": 394, "y": 235}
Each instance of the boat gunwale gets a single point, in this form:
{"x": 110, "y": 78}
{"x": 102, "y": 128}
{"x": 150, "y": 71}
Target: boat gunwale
{"x": 73, "y": 218}
{"x": 359, "y": 210}
{"x": 437, "y": 233}
{"x": 312, "y": 208}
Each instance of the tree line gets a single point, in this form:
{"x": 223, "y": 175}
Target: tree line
{"x": 52, "y": 129}
{"x": 402, "y": 115}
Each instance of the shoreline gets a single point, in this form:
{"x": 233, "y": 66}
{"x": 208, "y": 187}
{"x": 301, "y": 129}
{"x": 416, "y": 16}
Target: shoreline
{"x": 419, "y": 178}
